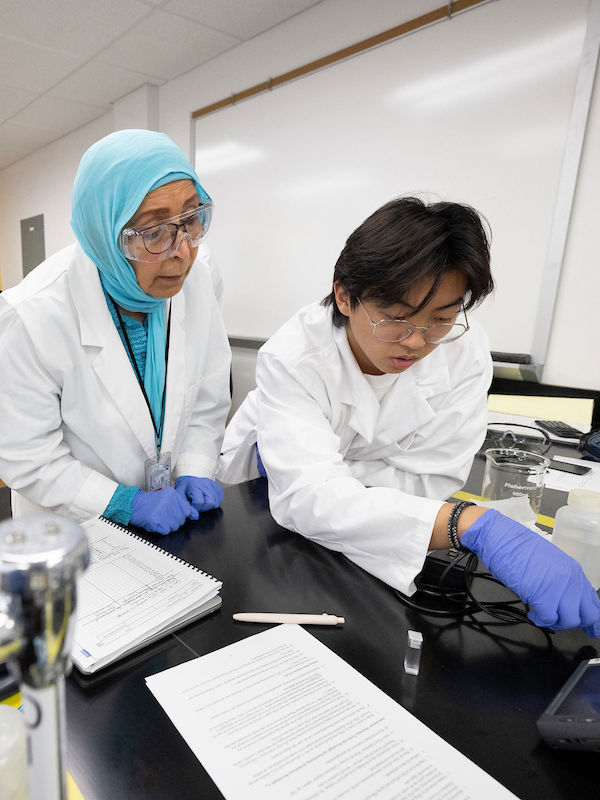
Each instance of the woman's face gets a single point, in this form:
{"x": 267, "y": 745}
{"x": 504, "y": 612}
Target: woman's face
{"x": 375, "y": 357}
{"x": 165, "y": 278}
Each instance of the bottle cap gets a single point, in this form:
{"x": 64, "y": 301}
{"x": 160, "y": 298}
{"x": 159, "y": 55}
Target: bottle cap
{"x": 584, "y": 498}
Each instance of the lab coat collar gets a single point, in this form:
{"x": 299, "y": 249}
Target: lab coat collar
{"x": 176, "y": 375}
{"x": 404, "y": 408}
{"x": 107, "y": 355}
{"x": 355, "y": 390}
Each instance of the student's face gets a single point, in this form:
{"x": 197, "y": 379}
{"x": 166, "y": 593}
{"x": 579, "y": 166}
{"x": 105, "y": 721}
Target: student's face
{"x": 165, "y": 278}
{"x": 375, "y": 357}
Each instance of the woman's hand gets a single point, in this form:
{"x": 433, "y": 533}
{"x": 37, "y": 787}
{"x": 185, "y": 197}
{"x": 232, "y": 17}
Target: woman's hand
{"x": 547, "y": 579}
{"x": 202, "y": 493}
{"x": 163, "y": 511}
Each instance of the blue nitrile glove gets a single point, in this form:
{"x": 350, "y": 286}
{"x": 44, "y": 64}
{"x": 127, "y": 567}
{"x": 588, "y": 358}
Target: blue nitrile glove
{"x": 163, "y": 511}
{"x": 260, "y": 466}
{"x": 202, "y": 493}
{"x": 547, "y": 579}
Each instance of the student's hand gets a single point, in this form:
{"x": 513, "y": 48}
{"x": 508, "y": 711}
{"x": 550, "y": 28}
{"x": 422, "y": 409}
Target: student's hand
{"x": 163, "y": 511}
{"x": 202, "y": 493}
{"x": 547, "y": 579}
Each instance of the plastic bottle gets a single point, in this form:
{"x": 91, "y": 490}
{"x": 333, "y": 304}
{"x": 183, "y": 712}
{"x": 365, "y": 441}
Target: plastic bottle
{"x": 13, "y": 762}
{"x": 577, "y": 531}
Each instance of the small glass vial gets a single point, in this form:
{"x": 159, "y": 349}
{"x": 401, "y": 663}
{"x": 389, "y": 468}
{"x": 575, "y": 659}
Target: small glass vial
{"x": 412, "y": 657}
{"x": 577, "y": 531}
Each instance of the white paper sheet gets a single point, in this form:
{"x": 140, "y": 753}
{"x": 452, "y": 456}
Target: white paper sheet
{"x": 279, "y": 715}
{"x": 517, "y": 508}
{"x": 564, "y": 481}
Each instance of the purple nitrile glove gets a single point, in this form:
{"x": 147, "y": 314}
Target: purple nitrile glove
{"x": 547, "y": 579}
{"x": 202, "y": 493}
{"x": 163, "y": 511}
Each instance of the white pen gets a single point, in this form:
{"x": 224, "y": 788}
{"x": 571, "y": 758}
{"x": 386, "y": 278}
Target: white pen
{"x": 299, "y": 619}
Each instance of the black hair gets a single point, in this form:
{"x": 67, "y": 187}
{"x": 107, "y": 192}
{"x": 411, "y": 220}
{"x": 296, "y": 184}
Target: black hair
{"x": 408, "y": 241}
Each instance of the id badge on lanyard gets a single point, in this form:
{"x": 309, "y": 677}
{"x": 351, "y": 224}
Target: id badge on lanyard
{"x": 158, "y": 471}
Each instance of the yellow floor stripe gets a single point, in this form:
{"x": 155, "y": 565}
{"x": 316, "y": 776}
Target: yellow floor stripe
{"x": 14, "y": 700}
{"x": 73, "y": 792}
{"x": 542, "y": 519}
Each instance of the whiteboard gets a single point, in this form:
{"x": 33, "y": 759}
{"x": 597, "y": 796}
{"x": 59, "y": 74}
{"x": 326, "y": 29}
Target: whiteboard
{"x": 474, "y": 109}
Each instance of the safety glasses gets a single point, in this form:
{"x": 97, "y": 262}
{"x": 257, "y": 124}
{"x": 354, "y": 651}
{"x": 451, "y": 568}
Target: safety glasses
{"x": 520, "y": 437}
{"x": 158, "y": 242}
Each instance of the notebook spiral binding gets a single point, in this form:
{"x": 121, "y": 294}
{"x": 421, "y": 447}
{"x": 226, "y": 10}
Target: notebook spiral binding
{"x": 160, "y": 549}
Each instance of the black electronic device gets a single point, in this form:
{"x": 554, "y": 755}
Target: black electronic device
{"x": 560, "y": 429}
{"x": 572, "y": 720}
{"x": 565, "y": 466}
{"x": 443, "y": 569}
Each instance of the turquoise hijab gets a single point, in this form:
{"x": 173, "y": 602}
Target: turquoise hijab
{"x": 113, "y": 178}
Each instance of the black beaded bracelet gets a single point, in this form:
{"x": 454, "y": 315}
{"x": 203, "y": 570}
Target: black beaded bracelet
{"x": 453, "y": 523}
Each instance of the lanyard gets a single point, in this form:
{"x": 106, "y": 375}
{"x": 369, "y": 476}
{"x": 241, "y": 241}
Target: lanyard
{"x": 157, "y": 428}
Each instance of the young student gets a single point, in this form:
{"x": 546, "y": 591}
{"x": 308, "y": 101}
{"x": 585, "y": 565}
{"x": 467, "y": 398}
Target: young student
{"x": 370, "y": 407}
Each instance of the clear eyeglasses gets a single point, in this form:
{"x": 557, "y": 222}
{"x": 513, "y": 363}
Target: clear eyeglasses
{"x": 396, "y": 330}
{"x": 160, "y": 241}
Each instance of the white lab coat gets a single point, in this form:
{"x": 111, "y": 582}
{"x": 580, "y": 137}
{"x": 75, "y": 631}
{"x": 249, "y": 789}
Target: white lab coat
{"x": 73, "y": 420}
{"x": 364, "y": 478}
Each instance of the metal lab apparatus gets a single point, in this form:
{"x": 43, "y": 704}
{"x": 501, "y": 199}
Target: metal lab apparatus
{"x": 40, "y": 559}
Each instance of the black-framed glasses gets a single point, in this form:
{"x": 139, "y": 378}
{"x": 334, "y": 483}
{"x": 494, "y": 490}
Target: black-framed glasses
{"x": 396, "y": 330}
{"x": 157, "y": 241}
{"x": 518, "y": 437}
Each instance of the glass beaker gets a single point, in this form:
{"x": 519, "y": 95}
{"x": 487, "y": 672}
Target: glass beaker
{"x": 514, "y": 473}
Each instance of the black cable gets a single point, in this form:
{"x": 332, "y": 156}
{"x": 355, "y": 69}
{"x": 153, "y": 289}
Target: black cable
{"x": 466, "y": 604}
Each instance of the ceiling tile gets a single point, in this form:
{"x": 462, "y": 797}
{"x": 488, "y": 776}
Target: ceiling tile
{"x": 165, "y": 46}
{"x": 241, "y": 19}
{"x": 28, "y": 66}
{"x": 13, "y": 100}
{"x": 13, "y": 134}
{"x": 58, "y": 114}
{"x": 100, "y": 84}
{"x": 81, "y": 28}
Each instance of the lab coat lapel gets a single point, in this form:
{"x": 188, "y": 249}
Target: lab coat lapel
{"x": 176, "y": 377}
{"x": 403, "y": 411}
{"x": 355, "y": 392}
{"x": 107, "y": 355}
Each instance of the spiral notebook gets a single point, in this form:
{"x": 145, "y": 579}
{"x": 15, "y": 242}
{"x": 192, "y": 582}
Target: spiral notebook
{"x": 131, "y": 594}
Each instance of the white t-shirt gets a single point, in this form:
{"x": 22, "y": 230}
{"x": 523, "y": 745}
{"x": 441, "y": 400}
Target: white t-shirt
{"x": 381, "y": 384}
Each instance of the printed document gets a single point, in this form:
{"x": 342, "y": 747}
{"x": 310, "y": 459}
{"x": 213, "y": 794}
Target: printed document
{"x": 279, "y": 715}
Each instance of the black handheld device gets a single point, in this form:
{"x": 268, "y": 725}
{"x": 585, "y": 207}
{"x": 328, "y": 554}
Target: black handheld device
{"x": 565, "y": 466}
{"x": 572, "y": 720}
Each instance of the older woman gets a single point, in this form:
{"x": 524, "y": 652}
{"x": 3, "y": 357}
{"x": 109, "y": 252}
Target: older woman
{"x": 115, "y": 361}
